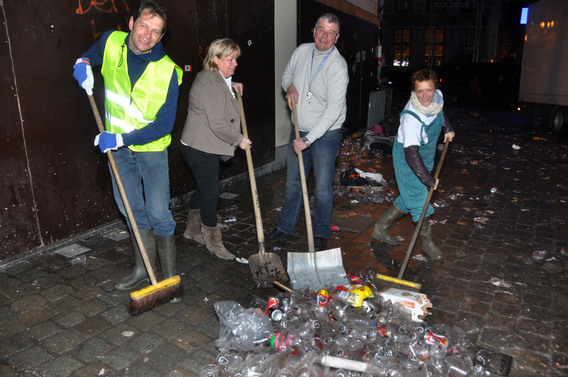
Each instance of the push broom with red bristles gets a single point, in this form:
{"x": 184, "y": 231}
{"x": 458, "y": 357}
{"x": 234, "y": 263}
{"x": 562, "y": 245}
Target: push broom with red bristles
{"x": 157, "y": 293}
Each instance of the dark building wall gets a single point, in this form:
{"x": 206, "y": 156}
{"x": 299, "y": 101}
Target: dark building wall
{"x": 54, "y": 182}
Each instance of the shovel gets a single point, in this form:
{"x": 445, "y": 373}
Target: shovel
{"x": 314, "y": 270}
{"x": 262, "y": 263}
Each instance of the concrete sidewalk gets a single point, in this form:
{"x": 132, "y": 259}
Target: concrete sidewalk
{"x": 501, "y": 221}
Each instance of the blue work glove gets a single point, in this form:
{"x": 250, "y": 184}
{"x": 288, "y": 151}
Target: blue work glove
{"x": 84, "y": 74}
{"x": 107, "y": 141}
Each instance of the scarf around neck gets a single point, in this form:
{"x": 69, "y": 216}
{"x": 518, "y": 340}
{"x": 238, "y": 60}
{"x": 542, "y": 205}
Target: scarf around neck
{"x": 433, "y": 108}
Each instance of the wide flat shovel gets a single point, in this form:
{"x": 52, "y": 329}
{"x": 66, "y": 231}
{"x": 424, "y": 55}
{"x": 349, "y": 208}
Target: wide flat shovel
{"x": 314, "y": 270}
{"x": 262, "y": 263}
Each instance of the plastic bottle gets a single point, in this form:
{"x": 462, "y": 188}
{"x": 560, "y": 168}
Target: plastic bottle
{"x": 285, "y": 342}
{"x": 460, "y": 365}
{"x": 210, "y": 370}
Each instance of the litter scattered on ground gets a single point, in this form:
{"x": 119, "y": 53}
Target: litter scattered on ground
{"x": 242, "y": 260}
{"x": 117, "y": 235}
{"x": 356, "y": 330}
{"x": 499, "y": 282}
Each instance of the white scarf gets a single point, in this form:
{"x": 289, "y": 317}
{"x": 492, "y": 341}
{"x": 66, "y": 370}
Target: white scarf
{"x": 433, "y": 108}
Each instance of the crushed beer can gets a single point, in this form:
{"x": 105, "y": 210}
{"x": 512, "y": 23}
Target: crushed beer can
{"x": 322, "y": 297}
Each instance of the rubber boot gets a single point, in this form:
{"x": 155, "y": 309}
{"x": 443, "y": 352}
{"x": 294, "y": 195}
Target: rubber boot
{"x": 140, "y": 274}
{"x": 193, "y": 229}
{"x": 380, "y": 232}
{"x": 166, "y": 246}
{"x": 213, "y": 242}
{"x": 428, "y": 246}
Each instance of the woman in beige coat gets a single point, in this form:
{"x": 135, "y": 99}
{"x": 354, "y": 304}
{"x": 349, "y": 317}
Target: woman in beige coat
{"x": 212, "y": 131}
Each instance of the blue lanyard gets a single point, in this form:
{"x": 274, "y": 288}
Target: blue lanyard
{"x": 319, "y": 68}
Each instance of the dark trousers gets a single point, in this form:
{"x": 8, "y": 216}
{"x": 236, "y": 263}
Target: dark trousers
{"x": 205, "y": 169}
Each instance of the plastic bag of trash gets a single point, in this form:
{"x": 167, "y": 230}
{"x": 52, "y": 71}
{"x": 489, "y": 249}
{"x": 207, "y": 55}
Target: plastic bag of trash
{"x": 383, "y": 143}
{"x": 357, "y": 177}
{"x": 241, "y": 329}
{"x": 373, "y": 178}
{"x": 350, "y": 177}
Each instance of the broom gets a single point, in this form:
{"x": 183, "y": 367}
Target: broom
{"x": 157, "y": 293}
{"x": 390, "y": 282}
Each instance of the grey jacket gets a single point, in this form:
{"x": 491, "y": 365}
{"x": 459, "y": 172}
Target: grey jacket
{"x": 213, "y": 123}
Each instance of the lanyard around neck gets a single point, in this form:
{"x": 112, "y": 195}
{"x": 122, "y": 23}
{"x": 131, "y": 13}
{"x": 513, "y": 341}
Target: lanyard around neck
{"x": 319, "y": 67}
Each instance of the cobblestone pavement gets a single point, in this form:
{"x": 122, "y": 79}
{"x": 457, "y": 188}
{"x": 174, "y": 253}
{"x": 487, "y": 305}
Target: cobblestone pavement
{"x": 504, "y": 266}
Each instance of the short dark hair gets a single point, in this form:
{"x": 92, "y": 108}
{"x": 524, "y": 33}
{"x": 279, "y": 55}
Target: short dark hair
{"x": 331, "y": 18}
{"x": 424, "y": 75}
{"x": 154, "y": 8}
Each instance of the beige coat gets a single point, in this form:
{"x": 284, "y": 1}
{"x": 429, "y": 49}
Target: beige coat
{"x": 213, "y": 123}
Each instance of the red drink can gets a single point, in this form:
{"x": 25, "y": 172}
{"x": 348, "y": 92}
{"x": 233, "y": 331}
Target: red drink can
{"x": 323, "y": 297}
{"x": 432, "y": 338}
{"x": 271, "y": 306}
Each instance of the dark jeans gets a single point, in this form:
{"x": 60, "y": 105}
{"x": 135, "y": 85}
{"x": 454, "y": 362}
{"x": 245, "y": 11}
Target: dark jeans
{"x": 205, "y": 169}
{"x": 321, "y": 157}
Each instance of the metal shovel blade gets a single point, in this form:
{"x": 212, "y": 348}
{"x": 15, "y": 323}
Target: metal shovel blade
{"x": 269, "y": 264}
{"x": 316, "y": 270}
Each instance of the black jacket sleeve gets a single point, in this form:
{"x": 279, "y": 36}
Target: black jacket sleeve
{"x": 448, "y": 127}
{"x": 414, "y": 160}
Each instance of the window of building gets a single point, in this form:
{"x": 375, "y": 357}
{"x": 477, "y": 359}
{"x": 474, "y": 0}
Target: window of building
{"x": 434, "y": 51}
{"x": 401, "y": 48}
{"x": 467, "y": 37}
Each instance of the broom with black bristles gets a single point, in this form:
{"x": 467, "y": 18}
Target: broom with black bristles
{"x": 157, "y": 293}
{"x": 385, "y": 281}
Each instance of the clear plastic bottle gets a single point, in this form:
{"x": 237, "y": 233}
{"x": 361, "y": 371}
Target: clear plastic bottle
{"x": 210, "y": 370}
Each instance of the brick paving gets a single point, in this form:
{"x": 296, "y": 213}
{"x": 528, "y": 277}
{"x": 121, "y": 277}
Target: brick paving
{"x": 504, "y": 267}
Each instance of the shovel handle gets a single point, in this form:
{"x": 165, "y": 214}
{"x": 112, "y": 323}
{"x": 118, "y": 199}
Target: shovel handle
{"x": 309, "y": 229}
{"x": 423, "y": 214}
{"x": 124, "y": 198}
{"x": 257, "y": 216}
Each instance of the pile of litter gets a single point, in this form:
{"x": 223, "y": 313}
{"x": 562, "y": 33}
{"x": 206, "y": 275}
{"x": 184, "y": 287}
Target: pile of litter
{"x": 356, "y": 330}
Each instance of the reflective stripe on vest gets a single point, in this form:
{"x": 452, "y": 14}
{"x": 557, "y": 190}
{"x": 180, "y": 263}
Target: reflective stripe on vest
{"x": 128, "y": 109}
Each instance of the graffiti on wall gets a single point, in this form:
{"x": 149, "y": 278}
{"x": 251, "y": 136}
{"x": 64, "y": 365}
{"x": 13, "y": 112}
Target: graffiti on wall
{"x": 104, "y": 6}
{"x": 92, "y": 8}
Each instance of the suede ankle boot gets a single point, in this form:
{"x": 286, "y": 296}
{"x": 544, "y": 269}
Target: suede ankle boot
{"x": 140, "y": 274}
{"x": 380, "y": 232}
{"x": 166, "y": 246}
{"x": 428, "y": 246}
{"x": 193, "y": 229}
{"x": 213, "y": 242}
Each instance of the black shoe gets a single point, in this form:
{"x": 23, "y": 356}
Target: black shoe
{"x": 273, "y": 235}
{"x": 320, "y": 244}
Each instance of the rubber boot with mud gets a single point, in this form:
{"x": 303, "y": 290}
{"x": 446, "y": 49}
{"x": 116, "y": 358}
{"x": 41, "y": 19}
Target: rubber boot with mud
{"x": 380, "y": 231}
{"x": 166, "y": 246}
{"x": 213, "y": 242}
{"x": 193, "y": 229}
{"x": 140, "y": 274}
{"x": 428, "y": 246}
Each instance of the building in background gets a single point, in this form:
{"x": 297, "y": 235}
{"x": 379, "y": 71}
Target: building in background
{"x": 463, "y": 40}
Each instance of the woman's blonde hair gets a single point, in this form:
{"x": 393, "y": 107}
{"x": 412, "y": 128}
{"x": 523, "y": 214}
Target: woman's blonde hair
{"x": 221, "y": 48}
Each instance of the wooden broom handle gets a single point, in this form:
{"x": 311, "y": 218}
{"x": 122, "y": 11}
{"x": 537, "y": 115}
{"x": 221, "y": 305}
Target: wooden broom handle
{"x": 309, "y": 230}
{"x": 124, "y": 198}
{"x": 256, "y": 202}
{"x": 423, "y": 214}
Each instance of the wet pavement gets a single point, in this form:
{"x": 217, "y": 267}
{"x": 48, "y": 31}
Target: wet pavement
{"x": 501, "y": 221}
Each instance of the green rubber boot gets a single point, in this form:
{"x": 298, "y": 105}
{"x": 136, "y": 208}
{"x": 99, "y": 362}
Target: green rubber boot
{"x": 140, "y": 274}
{"x": 428, "y": 246}
{"x": 166, "y": 246}
{"x": 380, "y": 232}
